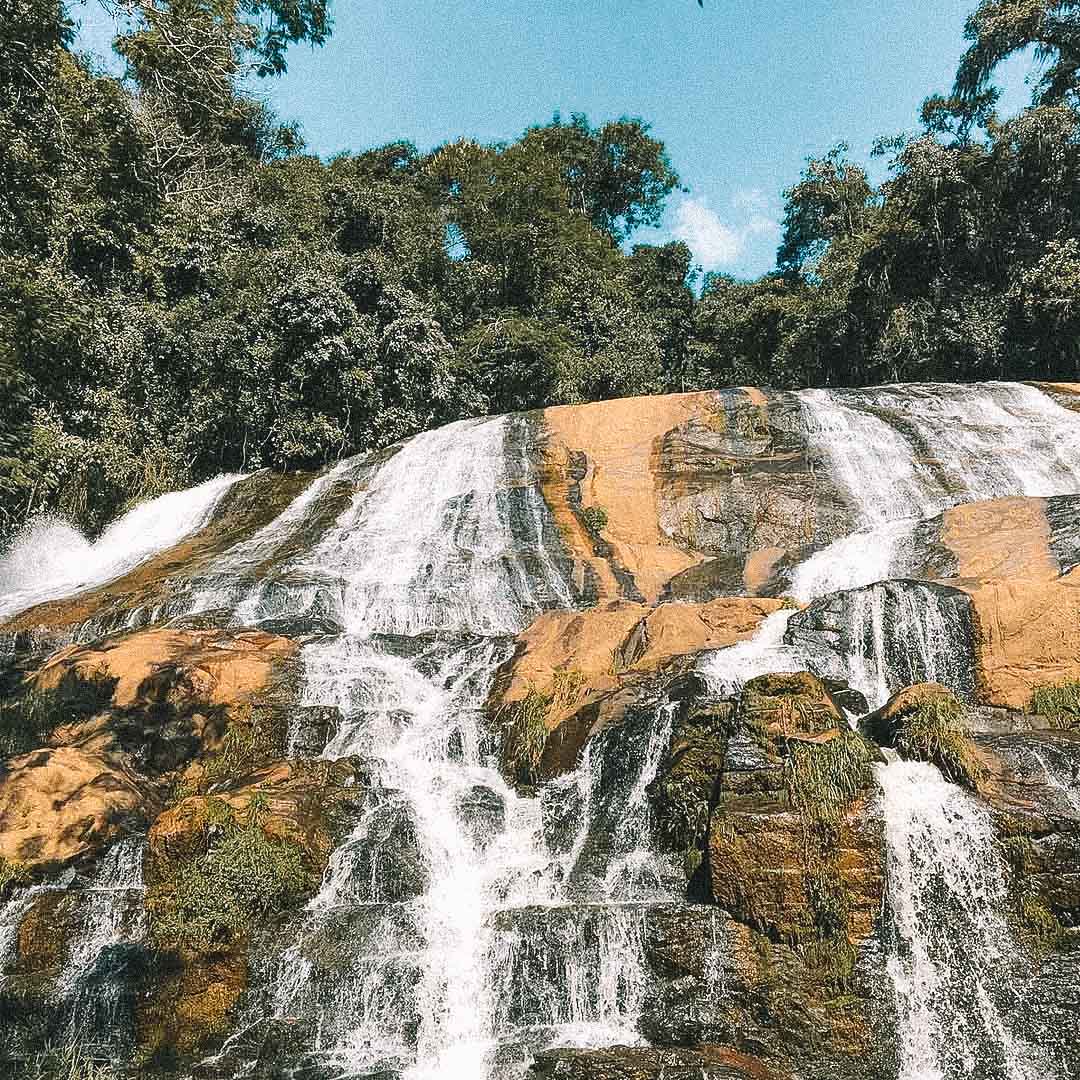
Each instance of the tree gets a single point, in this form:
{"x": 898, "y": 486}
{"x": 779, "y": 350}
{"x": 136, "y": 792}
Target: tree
{"x": 999, "y": 28}
{"x": 830, "y": 201}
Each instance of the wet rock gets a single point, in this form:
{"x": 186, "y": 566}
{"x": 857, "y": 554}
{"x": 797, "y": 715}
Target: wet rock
{"x": 632, "y": 1063}
{"x": 311, "y": 727}
{"x": 261, "y": 1051}
{"x": 927, "y": 630}
{"x": 484, "y": 812}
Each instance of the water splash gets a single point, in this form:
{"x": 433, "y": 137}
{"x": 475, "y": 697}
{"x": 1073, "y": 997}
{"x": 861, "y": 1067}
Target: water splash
{"x": 726, "y": 670}
{"x": 50, "y": 559}
{"x": 956, "y": 973}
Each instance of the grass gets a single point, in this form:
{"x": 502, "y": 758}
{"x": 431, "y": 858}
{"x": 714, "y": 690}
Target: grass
{"x": 213, "y": 898}
{"x": 1059, "y": 701}
{"x": 1043, "y": 925}
{"x": 12, "y": 874}
{"x": 823, "y": 779}
{"x": 525, "y": 731}
{"x": 69, "y": 1062}
{"x": 937, "y": 731}
{"x": 526, "y": 734}
{"x": 28, "y": 717}
{"x": 595, "y": 518}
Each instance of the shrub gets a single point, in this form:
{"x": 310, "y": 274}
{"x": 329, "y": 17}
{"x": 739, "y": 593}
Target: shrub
{"x": 595, "y": 518}
{"x": 1059, "y": 701}
{"x": 243, "y": 875}
{"x": 823, "y": 779}
{"x": 936, "y": 730}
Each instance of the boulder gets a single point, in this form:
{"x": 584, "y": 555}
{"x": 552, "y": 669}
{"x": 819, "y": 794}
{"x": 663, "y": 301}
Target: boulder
{"x": 64, "y": 805}
{"x": 576, "y": 672}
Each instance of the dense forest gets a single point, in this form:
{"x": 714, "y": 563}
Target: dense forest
{"x": 184, "y": 290}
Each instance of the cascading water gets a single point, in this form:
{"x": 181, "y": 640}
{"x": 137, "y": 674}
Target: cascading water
{"x": 461, "y": 924}
{"x": 454, "y": 891}
{"x": 902, "y": 456}
{"x": 956, "y": 973}
{"x": 51, "y": 559}
{"x": 111, "y": 917}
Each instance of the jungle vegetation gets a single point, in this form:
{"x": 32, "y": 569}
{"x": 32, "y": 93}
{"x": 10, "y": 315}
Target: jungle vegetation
{"x": 185, "y": 290}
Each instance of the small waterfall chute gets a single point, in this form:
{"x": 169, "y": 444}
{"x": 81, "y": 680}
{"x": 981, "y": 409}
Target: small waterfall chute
{"x": 957, "y": 974}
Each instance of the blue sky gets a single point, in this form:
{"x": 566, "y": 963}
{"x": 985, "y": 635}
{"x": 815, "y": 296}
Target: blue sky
{"x": 740, "y": 92}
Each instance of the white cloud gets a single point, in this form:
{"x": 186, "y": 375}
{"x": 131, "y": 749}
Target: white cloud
{"x": 712, "y": 242}
{"x": 715, "y": 242}
{"x": 751, "y": 201}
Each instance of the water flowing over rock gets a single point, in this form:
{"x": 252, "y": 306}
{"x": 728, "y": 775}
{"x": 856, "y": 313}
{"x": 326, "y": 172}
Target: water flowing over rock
{"x": 727, "y": 734}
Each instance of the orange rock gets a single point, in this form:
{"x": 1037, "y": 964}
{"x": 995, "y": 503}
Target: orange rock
{"x": 620, "y": 441}
{"x": 1027, "y": 616}
{"x": 211, "y": 667}
{"x": 62, "y": 805}
{"x": 605, "y": 643}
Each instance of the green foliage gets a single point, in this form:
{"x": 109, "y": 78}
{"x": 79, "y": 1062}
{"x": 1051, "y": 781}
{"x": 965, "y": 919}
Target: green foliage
{"x": 12, "y": 875}
{"x": 595, "y": 518}
{"x": 525, "y": 734}
{"x": 823, "y": 779}
{"x": 1040, "y": 922}
{"x": 1059, "y": 701}
{"x": 936, "y": 730}
{"x": 216, "y": 896}
{"x": 183, "y": 291}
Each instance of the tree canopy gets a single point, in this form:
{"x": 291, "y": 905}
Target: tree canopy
{"x": 185, "y": 290}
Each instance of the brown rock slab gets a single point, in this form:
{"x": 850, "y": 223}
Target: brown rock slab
{"x": 62, "y": 805}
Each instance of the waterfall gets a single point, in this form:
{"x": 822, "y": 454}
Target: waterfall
{"x": 457, "y": 895}
{"x": 50, "y": 559}
{"x": 12, "y": 913}
{"x": 726, "y": 670}
{"x": 901, "y": 454}
{"x": 111, "y": 916}
{"x": 1062, "y": 774}
{"x": 956, "y": 973}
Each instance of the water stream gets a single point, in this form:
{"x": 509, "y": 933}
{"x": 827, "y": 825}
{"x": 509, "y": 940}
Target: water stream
{"x": 461, "y": 925}
{"x": 957, "y": 974}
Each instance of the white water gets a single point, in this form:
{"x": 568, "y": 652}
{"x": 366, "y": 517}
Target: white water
{"x": 1062, "y": 774}
{"x": 440, "y": 557}
{"x": 941, "y": 445}
{"x": 49, "y": 559}
{"x": 108, "y": 915}
{"x": 955, "y": 970}
{"x": 12, "y": 913}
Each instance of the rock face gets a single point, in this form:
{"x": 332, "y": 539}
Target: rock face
{"x": 730, "y": 735}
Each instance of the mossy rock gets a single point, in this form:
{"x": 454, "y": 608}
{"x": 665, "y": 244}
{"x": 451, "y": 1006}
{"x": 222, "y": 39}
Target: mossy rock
{"x": 928, "y": 722}
{"x": 784, "y": 704}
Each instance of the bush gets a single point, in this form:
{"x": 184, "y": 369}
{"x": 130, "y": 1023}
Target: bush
{"x": 823, "y": 779}
{"x": 936, "y": 730}
{"x": 1059, "y": 701}
{"x": 595, "y": 518}
{"x": 214, "y": 898}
